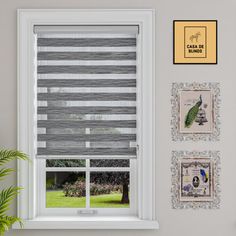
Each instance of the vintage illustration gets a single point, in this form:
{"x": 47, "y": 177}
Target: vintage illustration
{"x": 195, "y": 42}
{"x": 195, "y": 179}
{"x": 195, "y": 111}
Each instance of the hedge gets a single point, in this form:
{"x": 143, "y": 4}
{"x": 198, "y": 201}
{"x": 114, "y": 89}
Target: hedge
{"x": 78, "y": 189}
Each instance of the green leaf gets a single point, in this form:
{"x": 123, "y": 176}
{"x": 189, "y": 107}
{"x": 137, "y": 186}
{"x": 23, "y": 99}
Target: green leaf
{"x": 9, "y": 155}
{"x": 6, "y": 196}
{"x": 7, "y": 221}
{"x": 5, "y": 171}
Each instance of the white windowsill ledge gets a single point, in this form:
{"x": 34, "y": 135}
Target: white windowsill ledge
{"x": 88, "y": 223}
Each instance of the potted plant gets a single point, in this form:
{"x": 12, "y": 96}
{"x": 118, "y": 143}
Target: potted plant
{"x": 8, "y": 194}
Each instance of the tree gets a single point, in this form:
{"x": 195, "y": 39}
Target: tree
{"x": 118, "y": 178}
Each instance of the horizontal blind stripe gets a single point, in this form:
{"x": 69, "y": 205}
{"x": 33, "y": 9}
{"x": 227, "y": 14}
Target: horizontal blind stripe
{"x": 86, "y": 56}
{"x": 81, "y": 130}
{"x": 69, "y": 90}
{"x": 86, "y": 76}
{"x": 88, "y": 35}
{"x": 87, "y": 96}
{"x": 87, "y": 83}
{"x": 88, "y": 104}
{"x": 87, "y": 137}
{"x": 89, "y": 117}
{"x": 86, "y": 63}
{"x": 87, "y": 110}
{"x": 86, "y": 124}
{"x": 87, "y": 69}
{"x": 86, "y": 42}
{"x": 87, "y": 151}
{"x": 87, "y": 49}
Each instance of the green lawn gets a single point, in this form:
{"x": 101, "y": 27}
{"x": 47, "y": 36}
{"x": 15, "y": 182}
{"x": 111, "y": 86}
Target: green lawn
{"x": 57, "y": 199}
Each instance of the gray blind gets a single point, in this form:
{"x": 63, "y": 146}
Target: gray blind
{"x": 86, "y": 100}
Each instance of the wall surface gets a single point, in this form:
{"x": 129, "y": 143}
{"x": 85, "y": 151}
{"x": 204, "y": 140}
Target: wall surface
{"x": 172, "y": 222}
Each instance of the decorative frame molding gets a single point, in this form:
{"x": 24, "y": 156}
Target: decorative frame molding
{"x": 214, "y": 156}
{"x": 175, "y": 102}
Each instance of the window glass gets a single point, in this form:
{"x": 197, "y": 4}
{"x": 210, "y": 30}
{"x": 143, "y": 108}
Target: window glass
{"x": 65, "y": 190}
{"x": 65, "y": 163}
{"x": 109, "y": 163}
{"x": 109, "y": 189}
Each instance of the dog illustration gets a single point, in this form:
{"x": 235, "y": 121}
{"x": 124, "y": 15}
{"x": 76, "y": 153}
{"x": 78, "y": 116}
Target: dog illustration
{"x": 195, "y": 36}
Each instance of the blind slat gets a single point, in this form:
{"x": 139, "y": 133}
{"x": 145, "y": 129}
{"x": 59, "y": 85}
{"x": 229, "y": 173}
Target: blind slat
{"x": 87, "y": 124}
{"x": 87, "y": 137}
{"x": 86, "y": 56}
{"x": 86, "y": 83}
{"x": 86, "y": 69}
{"x": 86, "y": 42}
{"x": 87, "y": 96}
{"x": 86, "y": 110}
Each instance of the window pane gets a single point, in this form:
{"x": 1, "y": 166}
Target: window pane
{"x": 65, "y": 189}
{"x": 109, "y": 189}
{"x": 109, "y": 163}
{"x": 65, "y": 163}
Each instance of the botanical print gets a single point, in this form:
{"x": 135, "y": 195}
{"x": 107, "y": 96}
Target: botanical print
{"x": 195, "y": 179}
{"x": 195, "y": 111}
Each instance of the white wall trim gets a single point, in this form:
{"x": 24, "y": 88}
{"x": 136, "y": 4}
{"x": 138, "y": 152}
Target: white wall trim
{"x": 145, "y": 19}
{"x": 86, "y": 223}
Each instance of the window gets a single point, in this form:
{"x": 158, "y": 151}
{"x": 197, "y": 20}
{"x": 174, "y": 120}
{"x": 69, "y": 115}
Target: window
{"x": 86, "y": 117}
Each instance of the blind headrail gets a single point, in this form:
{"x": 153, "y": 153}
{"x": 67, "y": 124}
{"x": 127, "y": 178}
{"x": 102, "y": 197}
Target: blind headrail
{"x": 116, "y": 29}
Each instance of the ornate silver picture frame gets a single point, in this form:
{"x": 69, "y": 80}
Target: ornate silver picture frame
{"x": 195, "y": 111}
{"x": 195, "y": 179}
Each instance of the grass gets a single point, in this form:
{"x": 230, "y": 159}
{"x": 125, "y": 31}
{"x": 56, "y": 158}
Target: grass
{"x": 57, "y": 199}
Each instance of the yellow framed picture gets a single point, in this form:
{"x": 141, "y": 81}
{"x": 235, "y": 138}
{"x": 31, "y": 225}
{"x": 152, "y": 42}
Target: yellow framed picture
{"x": 195, "y": 42}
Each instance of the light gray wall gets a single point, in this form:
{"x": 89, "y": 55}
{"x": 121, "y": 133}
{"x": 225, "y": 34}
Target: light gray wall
{"x": 172, "y": 222}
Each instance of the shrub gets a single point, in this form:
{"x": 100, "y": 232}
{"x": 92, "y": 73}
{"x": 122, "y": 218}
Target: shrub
{"x": 78, "y": 189}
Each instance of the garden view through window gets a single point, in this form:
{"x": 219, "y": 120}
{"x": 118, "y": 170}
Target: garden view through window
{"x": 106, "y": 188}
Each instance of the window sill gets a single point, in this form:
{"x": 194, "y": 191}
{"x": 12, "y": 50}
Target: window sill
{"x": 88, "y": 223}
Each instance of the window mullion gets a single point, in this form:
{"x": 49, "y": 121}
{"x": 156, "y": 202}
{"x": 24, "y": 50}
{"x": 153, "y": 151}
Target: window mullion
{"x": 87, "y": 179}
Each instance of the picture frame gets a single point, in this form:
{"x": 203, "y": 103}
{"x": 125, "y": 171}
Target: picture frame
{"x": 195, "y": 111}
{"x": 195, "y": 42}
{"x": 195, "y": 179}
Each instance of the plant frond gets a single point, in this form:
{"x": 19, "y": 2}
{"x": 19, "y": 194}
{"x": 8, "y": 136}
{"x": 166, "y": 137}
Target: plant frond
{"x": 7, "y": 221}
{"x": 5, "y": 171}
{"x": 6, "y": 196}
{"x": 9, "y": 155}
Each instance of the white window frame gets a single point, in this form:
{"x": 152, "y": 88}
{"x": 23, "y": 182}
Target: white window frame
{"x": 27, "y": 178}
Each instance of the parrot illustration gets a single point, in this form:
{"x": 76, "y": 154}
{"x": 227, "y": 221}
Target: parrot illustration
{"x": 204, "y": 175}
{"x": 192, "y": 113}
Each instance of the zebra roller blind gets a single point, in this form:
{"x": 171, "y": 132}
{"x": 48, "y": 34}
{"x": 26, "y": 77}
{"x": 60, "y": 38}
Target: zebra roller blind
{"x": 86, "y": 91}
